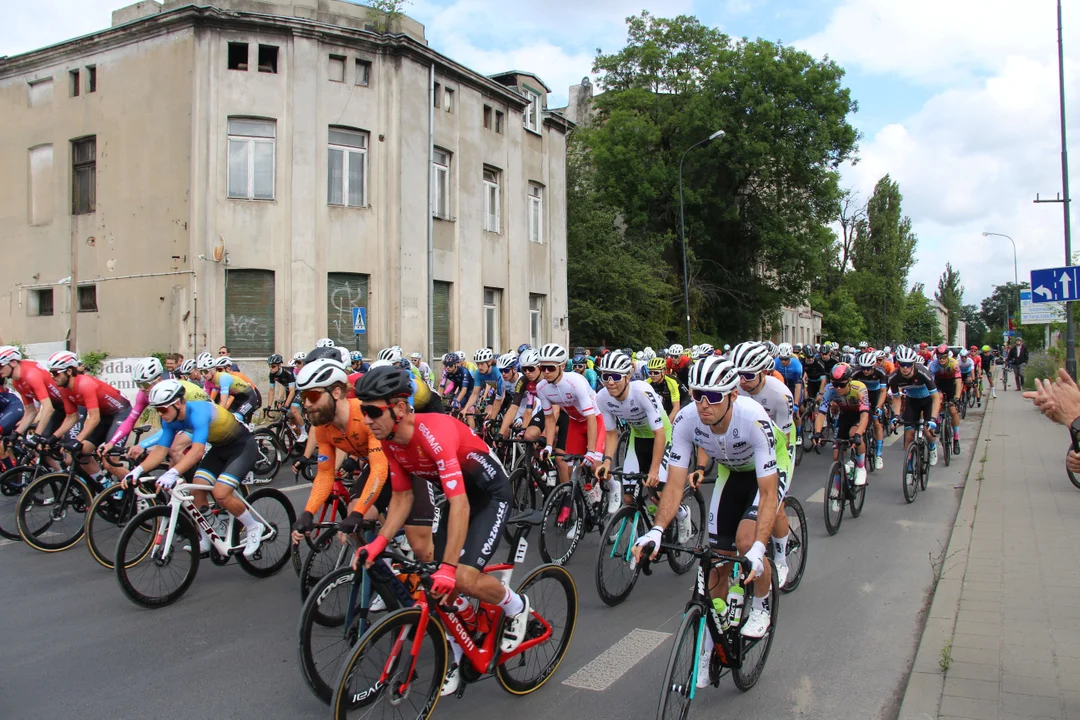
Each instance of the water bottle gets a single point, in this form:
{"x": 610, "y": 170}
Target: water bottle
{"x": 465, "y": 612}
{"x": 552, "y": 477}
{"x": 593, "y": 492}
{"x": 849, "y": 468}
{"x": 722, "y": 611}
{"x": 735, "y": 599}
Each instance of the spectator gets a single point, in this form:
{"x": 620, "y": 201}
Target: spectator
{"x": 1059, "y": 401}
{"x": 225, "y": 351}
{"x": 172, "y": 361}
{"x": 1018, "y": 357}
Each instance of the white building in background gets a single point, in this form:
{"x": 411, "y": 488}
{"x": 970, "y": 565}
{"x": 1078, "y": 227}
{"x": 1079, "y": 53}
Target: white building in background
{"x": 246, "y": 172}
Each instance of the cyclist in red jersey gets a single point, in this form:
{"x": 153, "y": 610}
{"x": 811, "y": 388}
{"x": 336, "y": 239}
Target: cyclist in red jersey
{"x": 33, "y": 382}
{"x": 443, "y": 450}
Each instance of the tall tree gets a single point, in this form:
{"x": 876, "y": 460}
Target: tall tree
{"x": 950, "y": 294}
{"x": 919, "y": 318}
{"x": 1005, "y": 297}
{"x": 977, "y": 331}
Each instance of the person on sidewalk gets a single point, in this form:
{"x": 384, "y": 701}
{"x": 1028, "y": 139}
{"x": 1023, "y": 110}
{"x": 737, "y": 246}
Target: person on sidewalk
{"x": 1017, "y": 358}
{"x": 1060, "y": 401}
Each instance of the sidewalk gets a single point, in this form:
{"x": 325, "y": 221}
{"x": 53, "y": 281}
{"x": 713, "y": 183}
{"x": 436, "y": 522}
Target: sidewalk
{"x": 1005, "y": 616}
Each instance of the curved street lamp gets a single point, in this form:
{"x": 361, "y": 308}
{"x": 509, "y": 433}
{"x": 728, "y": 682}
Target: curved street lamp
{"x": 1016, "y": 277}
{"x": 682, "y": 232}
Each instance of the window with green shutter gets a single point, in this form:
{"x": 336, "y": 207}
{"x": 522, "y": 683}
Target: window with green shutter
{"x": 344, "y": 291}
{"x": 249, "y": 312}
{"x": 441, "y": 309}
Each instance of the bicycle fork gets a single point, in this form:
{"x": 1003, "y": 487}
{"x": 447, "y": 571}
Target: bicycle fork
{"x": 414, "y": 654}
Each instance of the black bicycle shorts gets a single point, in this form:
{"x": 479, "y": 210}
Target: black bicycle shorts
{"x": 489, "y": 509}
{"x": 423, "y": 508}
{"x": 947, "y": 388}
{"x": 916, "y": 407}
{"x": 108, "y": 425}
{"x": 57, "y": 420}
{"x": 845, "y": 422}
{"x": 732, "y": 502}
{"x": 246, "y": 404}
{"x": 229, "y": 464}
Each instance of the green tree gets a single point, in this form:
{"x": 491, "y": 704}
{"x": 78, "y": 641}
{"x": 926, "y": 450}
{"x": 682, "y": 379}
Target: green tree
{"x": 841, "y": 320}
{"x": 950, "y": 294}
{"x": 759, "y": 201}
{"x": 388, "y": 14}
{"x": 977, "y": 331}
{"x": 919, "y": 318}
{"x": 993, "y": 307}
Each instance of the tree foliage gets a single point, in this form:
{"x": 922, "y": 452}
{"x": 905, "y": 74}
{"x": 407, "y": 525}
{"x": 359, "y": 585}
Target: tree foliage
{"x": 950, "y": 294}
{"x": 1006, "y": 296}
{"x": 920, "y": 318}
{"x": 977, "y": 331}
{"x": 388, "y": 14}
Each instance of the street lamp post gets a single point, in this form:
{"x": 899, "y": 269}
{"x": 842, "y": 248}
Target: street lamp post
{"x": 682, "y": 232}
{"x": 1016, "y": 277}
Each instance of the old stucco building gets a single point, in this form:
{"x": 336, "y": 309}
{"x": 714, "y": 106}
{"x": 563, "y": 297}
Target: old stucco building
{"x": 262, "y": 168}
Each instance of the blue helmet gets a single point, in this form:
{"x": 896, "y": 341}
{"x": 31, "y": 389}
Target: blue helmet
{"x": 579, "y": 359}
{"x": 523, "y": 347}
{"x": 356, "y": 356}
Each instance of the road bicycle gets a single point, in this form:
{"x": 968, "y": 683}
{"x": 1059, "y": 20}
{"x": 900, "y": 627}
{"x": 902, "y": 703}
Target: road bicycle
{"x": 531, "y": 479}
{"x": 325, "y": 552}
{"x": 742, "y": 656}
{"x": 916, "y": 469}
{"x": 282, "y": 429}
{"x": 572, "y": 509}
{"x": 270, "y": 455}
{"x": 945, "y": 422}
{"x": 159, "y": 547}
{"x": 398, "y": 666}
{"x": 840, "y": 487}
{"x": 33, "y": 462}
{"x": 616, "y": 570}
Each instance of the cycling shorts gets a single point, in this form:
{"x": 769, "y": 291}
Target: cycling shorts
{"x": 573, "y": 436}
{"x": 947, "y": 388}
{"x": 873, "y": 396}
{"x": 639, "y": 454}
{"x": 423, "y": 507}
{"x": 916, "y": 407}
{"x": 490, "y": 506}
{"x": 11, "y": 412}
{"x": 733, "y": 500}
{"x": 107, "y": 427}
{"x": 58, "y": 418}
{"x": 845, "y": 423}
{"x": 245, "y": 404}
{"x": 229, "y": 464}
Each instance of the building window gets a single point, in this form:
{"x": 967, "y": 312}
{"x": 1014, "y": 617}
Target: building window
{"x": 268, "y": 59}
{"x": 73, "y": 82}
{"x": 238, "y": 56}
{"x": 492, "y": 305}
{"x": 83, "y": 175}
{"x": 91, "y": 78}
{"x": 88, "y": 298}
{"x": 440, "y": 185}
{"x": 41, "y": 302}
{"x": 251, "y": 158}
{"x": 249, "y": 312}
{"x": 499, "y": 121}
{"x": 492, "y": 216}
{"x": 438, "y": 95}
{"x": 346, "y": 168}
{"x": 440, "y": 309}
{"x": 39, "y": 92}
{"x": 536, "y": 213}
{"x": 448, "y": 100}
{"x": 344, "y": 291}
{"x": 487, "y": 117}
{"x": 337, "y": 68}
{"x": 363, "y": 72}
{"x": 536, "y": 320}
{"x": 40, "y": 210}
{"x": 532, "y": 113}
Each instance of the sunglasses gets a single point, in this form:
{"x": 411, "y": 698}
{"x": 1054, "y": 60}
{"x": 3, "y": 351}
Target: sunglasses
{"x": 529, "y": 368}
{"x": 146, "y": 385}
{"x": 611, "y": 377}
{"x": 655, "y": 373}
{"x": 373, "y": 411}
{"x": 906, "y": 364}
{"x": 549, "y": 368}
{"x": 161, "y": 410}
{"x": 312, "y": 396}
{"x": 710, "y": 397}
{"x": 579, "y": 367}
{"x": 222, "y": 352}
{"x": 748, "y": 376}
{"x": 507, "y": 371}
{"x": 839, "y": 385}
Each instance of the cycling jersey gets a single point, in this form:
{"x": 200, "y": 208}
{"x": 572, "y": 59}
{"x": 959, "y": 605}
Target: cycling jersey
{"x": 777, "y": 400}
{"x": 524, "y": 392}
{"x": 283, "y": 378}
{"x": 358, "y": 442}
{"x": 93, "y": 394}
{"x": 442, "y": 450}
{"x": 679, "y": 367}
{"x": 829, "y": 363}
{"x": 919, "y": 385}
{"x": 791, "y": 373}
{"x": 191, "y": 392}
{"x": 887, "y": 366}
{"x": 986, "y": 360}
{"x": 571, "y": 393}
{"x": 424, "y": 399}
{"x": 748, "y": 444}
{"x": 231, "y": 383}
{"x": 592, "y": 378}
{"x": 965, "y": 366}
{"x": 36, "y": 383}
{"x": 461, "y": 378}
{"x": 640, "y": 409}
{"x": 206, "y": 423}
{"x": 872, "y": 379}
{"x": 11, "y": 411}
{"x": 668, "y": 392}
{"x": 492, "y": 379}
{"x": 852, "y": 399}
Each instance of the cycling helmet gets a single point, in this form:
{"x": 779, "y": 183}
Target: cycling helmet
{"x": 205, "y": 361}
{"x": 390, "y": 353}
{"x": 523, "y": 347}
{"x": 920, "y": 359}
{"x": 656, "y": 363}
{"x": 384, "y": 383}
{"x": 356, "y": 356}
{"x": 887, "y": 350}
{"x": 863, "y": 345}
{"x": 275, "y": 359}
{"x": 449, "y": 358}
{"x": 986, "y": 348}
{"x": 705, "y": 350}
{"x": 223, "y": 362}
{"x": 404, "y": 364}
{"x": 784, "y": 350}
{"x": 616, "y": 362}
{"x": 380, "y": 363}
{"x": 714, "y": 373}
{"x": 727, "y": 347}
{"x": 506, "y": 361}
{"x": 325, "y": 342}
{"x": 9, "y": 354}
{"x": 320, "y": 373}
{"x": 841, "y": 372}
{"x": 553, "y": 353}
{"x": 797, "y": 347}
{"x": 771, "y": 347}
{"x": 147, "y": 370}
{"x": 483, "y": 355}
{"x": 580, "y": 359}
{"x": 963, "y": 352}
{"x": 941, "y": 349}
{"x": 868, "y": 360}
{"x": 61, "y": 360}
{"x": 529, "y": 358}
{"x": 416, "y": 356}
{"x": 695, "y": 350}
{"x": 675, "y": 350}
{"x": 166, "y": 393}
{"x": 299, "y": 357}
{"x": 751, "y": 357}
{"x": 185, "y": 368}
{"x": 649, "y": 353}
{"x": 923, "y": 346}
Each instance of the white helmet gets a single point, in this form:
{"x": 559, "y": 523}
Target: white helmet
{"x": 963, "y": 352}
{"x": 391, "y": 353}
{"x": 299, "y": 357}
{"x": 483, "y": 355}
{"x": 784, "y": 350}
{"x": 185, "y": 368}
{"x": 649, "y": 353}
{"x": 507, "y": 361}
{"x": 553, "y": 353}
{"x": 906, "y": 355}
{"x": 887, "y": 350}
{"x": 868, "y": 360}
{"x": 695, "y": 350}
{"x": 61, "y": 360}
{"x": 147, "y": 370}
{"x": 771, "y": 347}
{"x": 205, "y": 361}
{"x": 751, "y": 357}
{"x": 863, "y": 345}
{"x": 379, "y": 364}
{"x": 675, "y": 350}
{"x": 165, "y": 393}
{"x": 325, "y": 342}
{"x": 705, "y": 350}
{"x": 321, "y": 373}
{"x": 714, "y": 373}
{"x": 529, "y": 358}
{"x": 224, "y": 362}
{"x": 9, "y": 354}
{"x": 616, "y": 362}
{"x": 416, "y": 356}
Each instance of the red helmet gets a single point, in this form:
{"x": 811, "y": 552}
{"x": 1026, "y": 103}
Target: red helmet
{"x": 923, "y": 346}
{"x": 974, "y": 348}
{"x": 841, "y": 372}
{"x": 942, "y": 349}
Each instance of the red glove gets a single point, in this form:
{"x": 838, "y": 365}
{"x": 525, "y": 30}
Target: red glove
{"x": 373, "y": 549}
{"x": 444, "y": 580}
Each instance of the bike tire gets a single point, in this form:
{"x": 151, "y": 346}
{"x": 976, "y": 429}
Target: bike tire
{"x": 964, "y": 399}
{"x": 616, "y": 574}
{"x": 681, "y": 562}
{"x": 134, "y": 534}
{"x": 399, "y": 623}
{"x": 276, "y": 550}
{"x": 798, "y": 543}
{"x": 525, "y": 497}
{"x": 858, "y": 496}
{"x": 12, "y": 484}
{"x": 105, "y": 520}
{"x": 38, "y": 527}
{"x": 286, "y": 441}
{"x": 324, "y": 558}
{"x": 557, "y": 604}
{"x": 945, "y": 440}
{"x": 745, "y": 678}
{"x": 834, "y": 498}
{"x": 269, "y": 461}
{"x": 678, "y": 684}
{"x": 910, "y": 480}
{"x": 807, "y": 434}
{"x": 556, "y": 545}
{"x": 1072, "y": 477}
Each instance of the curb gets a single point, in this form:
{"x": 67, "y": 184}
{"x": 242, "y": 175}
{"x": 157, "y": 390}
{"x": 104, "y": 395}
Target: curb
{"x": 926, "y": 684}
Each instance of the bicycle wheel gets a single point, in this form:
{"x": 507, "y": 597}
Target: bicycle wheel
{"x": 834, "y": 498}
{"x": 324, "y": 640}
{"x": 807, "y": 434}
{"x": 798, "y": 543}
{"x": 554, "y": 601}
{"x": 526, "y": 497}
{"x": 12, "y": 484}
{"x": 755, "y": 651}
{"x": 277, "y": 512}
{"x": 964, "y": 405}
{"x": 52, "y": 512}
{"x": 857, "y": 496}
{"x": 616, "y": 572}
{"x": 1072, "y": 478}
{"x": 145, "y": 567}
{"x": 383, "y": 652}
{"x": 678, "y": 687}
{"x": 106, "y": 518}
{"x": 911, "y": 479}
{"x": 924, "y": 459}
{"x": 327, "y": 555}
{"x": 681, "y": 562}
{"x": 559, "y": 539}
{"x": 285, "y": 440}
{"x": 946, "y": 440}
{"x": 798, "y": 454}
{"x": 269, "y": 461}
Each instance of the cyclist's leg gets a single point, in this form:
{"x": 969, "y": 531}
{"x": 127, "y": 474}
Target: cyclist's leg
{"x": 418, "y": 526}
{"x": 236, "y": 461}
{"x": 562, "y": 429}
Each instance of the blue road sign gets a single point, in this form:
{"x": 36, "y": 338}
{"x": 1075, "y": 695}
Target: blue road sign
{"x": 1054, "y": 285}
{"x": 359, "y": 320}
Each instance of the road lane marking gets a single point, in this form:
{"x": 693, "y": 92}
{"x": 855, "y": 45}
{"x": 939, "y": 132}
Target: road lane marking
{"x": 617, "y": 660}
{"x": 818, "y": 497}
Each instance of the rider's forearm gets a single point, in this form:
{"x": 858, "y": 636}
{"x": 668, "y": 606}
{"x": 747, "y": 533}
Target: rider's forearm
{"x": 658, "y": 448}
{"x": 671, "y": 497}
{"x": 397, "y": 513}
{"x": 93, "y": 419}
{"x": 767, "y": 487}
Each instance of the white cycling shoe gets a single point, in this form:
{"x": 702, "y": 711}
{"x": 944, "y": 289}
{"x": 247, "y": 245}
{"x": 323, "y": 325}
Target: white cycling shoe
{"x": 782, "y": 574}
{"x": 757, "y": 623}
{"x": 933, "y": 456}
{"x": 703, "y": 670}
{"x": 451, "y": 681}
{"x": 253, "y": 540}
{"x": 878, "y": 462}
{"x": 514, "y": 628}
{"x": 860, "y": 476}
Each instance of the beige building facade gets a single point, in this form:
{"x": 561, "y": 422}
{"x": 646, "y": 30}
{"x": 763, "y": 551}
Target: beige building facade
{"x": 247, "y": 173}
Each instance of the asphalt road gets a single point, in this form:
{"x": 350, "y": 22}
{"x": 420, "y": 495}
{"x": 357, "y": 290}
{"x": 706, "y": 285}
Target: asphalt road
{"x": 74, "y": 646}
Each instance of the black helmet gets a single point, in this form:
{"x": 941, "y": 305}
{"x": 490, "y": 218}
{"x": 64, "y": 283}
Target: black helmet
{"x": 275, "y": 359}
{"x": 384, "y": 383}
{"x": 330, "y": 353}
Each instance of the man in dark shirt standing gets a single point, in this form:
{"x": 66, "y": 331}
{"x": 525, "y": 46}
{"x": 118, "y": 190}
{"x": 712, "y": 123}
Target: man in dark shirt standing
{"x": 1018, "y": 357}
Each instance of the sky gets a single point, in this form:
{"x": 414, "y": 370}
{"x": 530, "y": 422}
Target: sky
{"x": 958, "y": 99}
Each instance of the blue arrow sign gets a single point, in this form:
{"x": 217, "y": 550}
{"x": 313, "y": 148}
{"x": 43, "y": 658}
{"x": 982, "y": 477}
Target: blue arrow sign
{"x": 1054, "y": 285}
{"x": 359, "y": 320}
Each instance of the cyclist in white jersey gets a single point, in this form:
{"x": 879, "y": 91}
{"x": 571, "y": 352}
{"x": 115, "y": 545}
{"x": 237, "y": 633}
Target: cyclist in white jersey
{"x": 750, "y": 480}
{"x": 579, "y": 429}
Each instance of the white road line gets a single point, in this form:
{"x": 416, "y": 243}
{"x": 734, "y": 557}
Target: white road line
{"x": 6, "y": 542}
{"x": 617, "y": 660}
{"x": 818, "y": 497}
{"x": 295, "y": 488}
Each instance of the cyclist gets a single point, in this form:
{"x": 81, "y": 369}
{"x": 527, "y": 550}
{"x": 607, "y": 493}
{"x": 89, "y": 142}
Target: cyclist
{"x": 871, "y": 374}
{"x": 298, "y": 361}
{"x": 969, "y": 369}
{"x": 665, "y": 387}
{"x": 736, "y": 432}
{"x": 582, "y": 368}
{"x": 459, "y": 381}
{"x": 986, "y": 358}
{"x": 946, "y": 371}
{"x": 284, "y": 377}
{"x": 442, "y": 450}
{"x": 231, "y": 458}
{"x": 236, "y": 392}
{"x": 916, "y": 383}
{"x": 11, "y": 412}
{"x": 524, "y": 407}
{"x": 849, "y": 399}
{"x": 486, "y": 378}
{"x": 56, "y": 415}
{"x": 814, "y": 373}
{"x": 183, "y": 371}
{"x": 678, "y": 363}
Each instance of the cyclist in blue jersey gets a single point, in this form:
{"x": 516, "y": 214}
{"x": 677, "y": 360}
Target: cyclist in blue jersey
{"x": 874, "y": 377}
{"x": 486, "y": 378}
{"x": 459, "y": 381}
{"x": 581, "y": 367}
{"x": 791, "y": 369}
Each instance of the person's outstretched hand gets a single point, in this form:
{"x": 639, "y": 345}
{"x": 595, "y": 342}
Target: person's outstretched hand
{"x": 1058, "y": 400}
